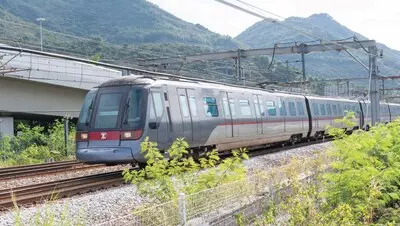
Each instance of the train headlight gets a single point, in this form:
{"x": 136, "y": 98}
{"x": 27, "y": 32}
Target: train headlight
{"x": 82, "y": 136}
{"x": 131, "y": 135}
{"x": 127, "y": 135}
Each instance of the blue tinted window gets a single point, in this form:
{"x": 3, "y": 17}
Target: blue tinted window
{"x": 210, "y": 107}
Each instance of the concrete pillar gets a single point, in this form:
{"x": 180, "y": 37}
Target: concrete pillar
{"x": 6, "y": 126}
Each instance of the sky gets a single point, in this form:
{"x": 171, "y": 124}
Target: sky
{"x": 377, "y": 20}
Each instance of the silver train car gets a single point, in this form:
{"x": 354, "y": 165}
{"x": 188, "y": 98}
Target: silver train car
{"x": 117, "y": 115}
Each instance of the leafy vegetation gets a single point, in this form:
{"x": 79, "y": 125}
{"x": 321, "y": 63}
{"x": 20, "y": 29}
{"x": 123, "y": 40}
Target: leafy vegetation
{"x": 35, "y": 145}
{"x": 359, "y": 185}
{"x": 163, "y": 180}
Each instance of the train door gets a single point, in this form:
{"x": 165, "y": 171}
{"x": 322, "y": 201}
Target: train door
{"x": 228, "y": 110}
{"x": 315, "y": 113}
{"x": 158, "y": 121}
{"x": 194, "y": 114}
{"x": 282, "y": 112}
{"x": 185, "y": 114}
{"x": 258, "y": 109}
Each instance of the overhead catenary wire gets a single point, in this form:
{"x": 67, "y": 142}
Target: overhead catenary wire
{"x": 297, "y": 28}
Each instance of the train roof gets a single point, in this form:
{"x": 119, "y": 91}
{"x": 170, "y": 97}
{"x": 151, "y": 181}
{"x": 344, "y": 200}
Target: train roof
{"x": 148, "y": 80}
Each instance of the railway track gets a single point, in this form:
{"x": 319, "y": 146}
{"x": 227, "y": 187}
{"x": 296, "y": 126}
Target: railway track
{"x": 37, "y": 193}
{"x": 40, "y": 169}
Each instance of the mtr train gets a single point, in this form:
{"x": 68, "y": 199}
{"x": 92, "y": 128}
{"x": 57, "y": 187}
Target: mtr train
{"x": 117, "y": 115}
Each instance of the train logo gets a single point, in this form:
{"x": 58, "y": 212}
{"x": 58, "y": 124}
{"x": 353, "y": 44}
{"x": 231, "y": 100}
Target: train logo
{"x": 103, "y": 136}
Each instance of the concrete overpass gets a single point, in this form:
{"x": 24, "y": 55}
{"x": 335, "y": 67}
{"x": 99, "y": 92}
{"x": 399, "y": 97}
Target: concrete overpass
{"x": 41, "y": 86}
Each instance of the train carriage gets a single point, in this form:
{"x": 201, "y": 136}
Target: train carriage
{"x": 117, "y": 115}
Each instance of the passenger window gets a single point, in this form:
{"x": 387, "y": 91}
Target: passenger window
{"x": 292, "y": 109}
{"x": 258, "y": 106}
{"x": 282, "y": 108}
{"x": 245, "y": 107}
{"x": 158, "y": 104}
{"x": 232, "y": 105}
{"x": 193, "y": 106}
{"x": 340, "y": 110}
{"x": 210, "y": 107}
{"x": 328, "y": 109}
{"x": 184, "y": 105}
{"x": 225, "y": 105}
{"x": 322, "y": 107}
{"x": 315, "y": 109}
{"x": 300, "y": 108}
{"x": 271, "y": 108}
{"x": 334, "y": 108}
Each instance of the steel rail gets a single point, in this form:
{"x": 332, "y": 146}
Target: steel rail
{"x": 40, "y": 169}
{"x": 37, "y": 193}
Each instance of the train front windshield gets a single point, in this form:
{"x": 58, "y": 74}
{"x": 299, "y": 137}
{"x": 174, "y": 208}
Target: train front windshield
{"x": 112, "y": 108}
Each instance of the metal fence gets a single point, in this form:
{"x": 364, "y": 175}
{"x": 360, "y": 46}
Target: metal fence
{"x": 220, "y": 205}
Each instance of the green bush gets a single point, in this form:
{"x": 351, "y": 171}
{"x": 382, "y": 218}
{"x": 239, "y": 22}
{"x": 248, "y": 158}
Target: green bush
{"x": 36, "y": 145}
{"x": 162, "y": 180}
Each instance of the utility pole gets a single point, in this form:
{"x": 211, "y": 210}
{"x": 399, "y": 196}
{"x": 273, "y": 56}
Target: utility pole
{"x": 41, "y": 32}
{"x": 348, "y": 88}
{"x": 239, "y": 72}
{"x": 303, "y": 62}
{"x": 373, "y": 89}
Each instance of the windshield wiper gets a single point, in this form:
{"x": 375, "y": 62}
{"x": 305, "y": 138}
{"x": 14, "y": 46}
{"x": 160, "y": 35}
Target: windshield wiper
{"x": 89, "y": 115}
{"x": 126, "y": 111}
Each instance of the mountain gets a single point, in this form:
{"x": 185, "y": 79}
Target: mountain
{"x": 328, "y": 64}
{"x": 130, "y": 22}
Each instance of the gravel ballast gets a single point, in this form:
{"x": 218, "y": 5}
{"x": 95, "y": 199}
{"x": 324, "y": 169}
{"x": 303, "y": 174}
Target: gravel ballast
{"x": 105, "y": 205}
{"x": 61, "y": 175}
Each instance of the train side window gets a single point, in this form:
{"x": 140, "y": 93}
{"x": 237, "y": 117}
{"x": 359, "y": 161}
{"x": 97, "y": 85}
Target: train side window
{"x": 184, "y": 105}
{"x": 258, "y": 106}
{"x": 334, "y": 108}
{"x": 315, "y": 109}
{"x": 158, "y": 104}
{"x": 328, "y": 109}
{"x": 292, "y": 109}
{"x": 271, "y": 108}
{"x": 300, "y": 108}
{"x": 322, "y": 107}
{"x": 282, "y": 108}
{"x": 232, "y": 105}
{"x": 210, "y": 107}
{"x": 245, "y": 107}
{"x": 225, "y": 106}
{"x": 193, "y": 106}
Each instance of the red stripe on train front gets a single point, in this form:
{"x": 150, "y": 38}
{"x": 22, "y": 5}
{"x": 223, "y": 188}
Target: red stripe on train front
{"x": 105, "y": 135}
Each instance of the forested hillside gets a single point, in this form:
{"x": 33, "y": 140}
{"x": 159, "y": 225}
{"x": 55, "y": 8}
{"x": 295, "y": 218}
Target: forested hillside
{"x": 313, "y": 28}
{"x": 117, "y": 21}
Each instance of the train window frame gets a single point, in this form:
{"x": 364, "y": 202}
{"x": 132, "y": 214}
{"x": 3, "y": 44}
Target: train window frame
{"x": 193, "y": 105}
{"x": 282, "y": 108}
{"x": 322, "y": 108}
{"x": 207, "y": 104}
{"x": 315, "y": 109}
{"x": 300, "y": 108}
{"x": 271, "y": 108}
{"x": 259, "y": 109}
{"x": 334, "y": 109}
{"x": 232, "y": 105}
{"x": 184, "y": 106}
{"x": 226, "y": 107}
{"x": 328, "y": 109}
{"x": 245, "y": 105}
{"x": 115, "y": 113}
{"x": 292, "y": 108}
